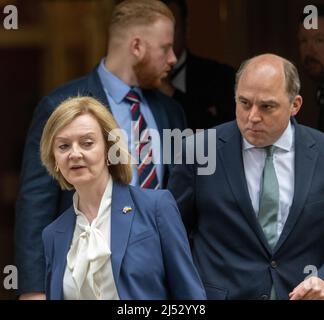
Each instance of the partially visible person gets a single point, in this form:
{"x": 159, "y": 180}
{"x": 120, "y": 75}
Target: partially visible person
{"x": 115, "y": 241}
{"x": 311, "y": 47}
{"x": 256, "y": 223}
{"x": 204, "y": 87}
{"x": 140, "y": 54}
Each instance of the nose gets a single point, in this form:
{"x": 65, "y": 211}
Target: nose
{"x": 254, "y": 115}
{"x": 75, "y": 152}
{"x": 172, "y": 58}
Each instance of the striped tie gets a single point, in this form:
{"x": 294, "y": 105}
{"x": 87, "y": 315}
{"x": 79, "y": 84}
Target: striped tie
{"x": 146, "y": 169}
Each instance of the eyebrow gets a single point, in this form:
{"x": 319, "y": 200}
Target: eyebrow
{"x": 271, "y": 102}
{"x": 88, "y": 134}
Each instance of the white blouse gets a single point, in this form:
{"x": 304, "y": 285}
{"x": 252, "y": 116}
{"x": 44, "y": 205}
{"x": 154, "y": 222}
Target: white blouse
{"x": 88, "y": 274}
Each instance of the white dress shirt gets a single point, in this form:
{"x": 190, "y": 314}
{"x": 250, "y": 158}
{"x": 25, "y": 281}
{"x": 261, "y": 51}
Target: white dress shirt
{"x": 284, "y": 163}
{"x": 88, "y": 274}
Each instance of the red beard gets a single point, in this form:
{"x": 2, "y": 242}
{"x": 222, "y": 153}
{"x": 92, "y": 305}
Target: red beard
{"x": 147, "y": 75}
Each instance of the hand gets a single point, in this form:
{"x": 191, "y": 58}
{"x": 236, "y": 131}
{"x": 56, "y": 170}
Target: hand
{"x": 310, "y": 289}
{"x": 33, "y": 296}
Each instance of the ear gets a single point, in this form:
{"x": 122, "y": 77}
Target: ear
{"x": 296, "y": 105}
{"x": 137, "y": 47}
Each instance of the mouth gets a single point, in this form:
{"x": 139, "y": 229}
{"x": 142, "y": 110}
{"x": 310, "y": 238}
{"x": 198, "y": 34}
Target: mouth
{"x": 168, "y": 70}
{"x": 255, "y": 131}
{"x": 311, "y": 63}
{"x": 77, "y": 167}
{"x": 165, "y": 74}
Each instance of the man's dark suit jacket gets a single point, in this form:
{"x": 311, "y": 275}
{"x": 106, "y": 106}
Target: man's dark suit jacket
{"x": 229, "y": 247}
{"x": 40, "y": 199}
{"x": 209, "y": 98}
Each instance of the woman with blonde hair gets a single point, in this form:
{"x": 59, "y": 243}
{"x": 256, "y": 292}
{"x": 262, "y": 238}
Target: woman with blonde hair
{"x": 116, "y": 241}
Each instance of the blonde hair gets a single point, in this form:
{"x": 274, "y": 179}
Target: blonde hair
{"x": 131, "y": 13}
{"x": 63, "y": 115}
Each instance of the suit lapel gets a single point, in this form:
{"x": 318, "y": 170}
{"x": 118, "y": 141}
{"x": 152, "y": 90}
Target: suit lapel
{"x": 232, "y": 159}
{"x": 120, "y": 229}
{"x": 305, "y": 160}
{"x": 120, "y": 225}
{"x": 63, "y": 238}
{"x": 157, "y": 109}
{"x": 95, "y": 88}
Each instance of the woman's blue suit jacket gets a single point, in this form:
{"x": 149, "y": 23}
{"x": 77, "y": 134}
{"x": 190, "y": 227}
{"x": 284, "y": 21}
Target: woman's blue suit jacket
{"x": 150, "y": 258}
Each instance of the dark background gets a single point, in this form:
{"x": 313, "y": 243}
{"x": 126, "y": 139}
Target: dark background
{"x": 59, "y": 40}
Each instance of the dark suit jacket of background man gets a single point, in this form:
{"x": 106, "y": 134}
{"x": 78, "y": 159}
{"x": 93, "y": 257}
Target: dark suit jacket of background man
{"x": 40, "y": 199}
{"x": 229, "y": 247}
{"x": 209, "y": 97}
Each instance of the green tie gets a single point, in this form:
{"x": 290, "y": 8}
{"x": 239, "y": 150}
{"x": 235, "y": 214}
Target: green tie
{"x": 269, "y": 199}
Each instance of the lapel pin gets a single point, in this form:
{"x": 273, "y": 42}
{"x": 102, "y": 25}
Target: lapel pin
{"x": 127, "y": 210}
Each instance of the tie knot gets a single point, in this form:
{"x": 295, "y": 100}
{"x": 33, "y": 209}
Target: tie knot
{"x": 270, "y": 150}
{"x": 133, "y": 97}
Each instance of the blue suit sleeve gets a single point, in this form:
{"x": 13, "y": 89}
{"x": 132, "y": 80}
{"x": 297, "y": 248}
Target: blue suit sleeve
{"x": 48, "y": 241}
{"x": 36, "y": 206}
{"x": 182, "y": 276}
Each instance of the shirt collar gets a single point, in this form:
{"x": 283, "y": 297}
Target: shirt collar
{"x": 285, "y": 142}
{"x": 116, "y": 88}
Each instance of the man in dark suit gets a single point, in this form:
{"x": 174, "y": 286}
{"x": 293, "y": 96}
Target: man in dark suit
{"x": 204, "y": 87}
{"x": 256, "y": 223}
{"x": 140, "y": 54}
